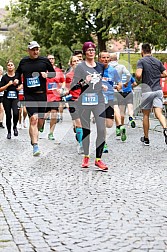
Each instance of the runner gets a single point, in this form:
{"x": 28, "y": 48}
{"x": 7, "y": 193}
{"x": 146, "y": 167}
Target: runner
{"x": 121, "y": 69}
{"x": 126, "y": 100}
{"x": 53, "y": 86}
{"x": 87, "y": 76}
{"x": 150, "y": 70}
{"x": 35, "y": 70}
{"x": 1, "y": 101}
{"x": 73, "y": 103}
{"x": 10, "y": 100}
{"x": 112, "y": 80}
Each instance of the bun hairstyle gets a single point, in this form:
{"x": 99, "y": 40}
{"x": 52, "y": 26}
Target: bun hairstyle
{"x": 87, "y": 45}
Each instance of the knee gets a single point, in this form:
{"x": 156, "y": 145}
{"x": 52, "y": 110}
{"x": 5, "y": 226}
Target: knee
{"x": 33, "y": 120}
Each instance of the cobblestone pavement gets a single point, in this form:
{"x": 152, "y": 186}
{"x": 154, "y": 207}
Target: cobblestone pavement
{"x": 49, "y": 203}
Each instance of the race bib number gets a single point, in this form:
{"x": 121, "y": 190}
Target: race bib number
{"x": 33, "y": 82}
{"x": 105, "y": 99}
{"x": 52, "y": 86}
{"x": 12, "y": 95}
{"x": 89, "y": 99}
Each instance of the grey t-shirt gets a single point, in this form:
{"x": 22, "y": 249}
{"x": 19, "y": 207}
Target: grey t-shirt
{"x": 95, "y": 85}
{"x": 152, "y": 69}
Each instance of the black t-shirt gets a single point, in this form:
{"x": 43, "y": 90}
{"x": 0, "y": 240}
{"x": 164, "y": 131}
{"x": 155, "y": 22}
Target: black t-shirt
{"x": 5, "y": 80}
{"x": 31, "y": 69}
{"x": 95, "y": 85}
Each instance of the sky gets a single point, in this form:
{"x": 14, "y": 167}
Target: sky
{"x": 4, "y": 3}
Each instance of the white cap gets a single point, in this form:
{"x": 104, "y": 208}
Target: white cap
{"x": 33, "y": 44}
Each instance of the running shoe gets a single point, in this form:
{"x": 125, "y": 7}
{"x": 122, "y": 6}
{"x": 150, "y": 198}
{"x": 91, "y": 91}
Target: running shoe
{"x": 85, "y": 162}
{"x": 50, "y": 136}
{"x": 9, "y": 135}
{"x": 132, "y": 122}
{"x": 165, "y": 135}
{"x": 101, "y": 165}
{"x": 24, "y": 124}
{"x": 42, "y": 128}
{"x": 1, "y": 125}
{"x": 80, "y": 150}
{"x": 123, "y": 133}
{"x": 36, "y": 151}
{"x": 105, "y": 148}
{"x": 15, "y": 132}
{"x": 145, "y": 141}
{"x": 118, "y": 132}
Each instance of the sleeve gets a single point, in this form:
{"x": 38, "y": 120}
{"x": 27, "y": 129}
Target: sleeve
{"x": 162, "y": 68}
{"x": 139, "y": 64}
{"x": 128, "y": 75}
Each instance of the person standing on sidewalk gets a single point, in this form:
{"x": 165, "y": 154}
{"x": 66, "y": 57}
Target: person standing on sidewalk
{"x": 35, "y": 70}
{"x": 89, "y": 74}
{"x": 150, "y": 70}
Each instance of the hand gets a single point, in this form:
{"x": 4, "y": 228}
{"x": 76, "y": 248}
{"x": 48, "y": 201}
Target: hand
{"x": 44, "y": 75}
{"x": 104, "y": 87}
{"x": 119, "y": 86}
{"x": 10, "y": 83}
{"x": 15, "y": 82}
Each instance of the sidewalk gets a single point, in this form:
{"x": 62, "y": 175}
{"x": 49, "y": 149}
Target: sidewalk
{"x": 48, "y": 203}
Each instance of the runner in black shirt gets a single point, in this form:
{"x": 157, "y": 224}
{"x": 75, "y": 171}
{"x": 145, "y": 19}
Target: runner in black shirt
{"x": 34, "y": 69}
{"x": 10, "y": 99}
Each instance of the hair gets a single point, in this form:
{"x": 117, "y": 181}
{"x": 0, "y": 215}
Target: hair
{"x": 71, "y": 59}
{"x": 1, "y": 68}
{"x": 76, "y": 52}
{"x": 9, "y": 60}
{"x": 146, "y": 48}
{"x": 104, "y": 51}
{"x": 113, "y": 57}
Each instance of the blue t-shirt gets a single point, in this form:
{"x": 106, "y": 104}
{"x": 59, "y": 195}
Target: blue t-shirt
{"x": 129, "y": 87}
{"x": 110, "y": 78}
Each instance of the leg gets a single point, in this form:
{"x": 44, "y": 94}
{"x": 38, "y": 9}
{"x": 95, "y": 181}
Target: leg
{"x": 146, "y": 125}
{"x": 160, "y": 117}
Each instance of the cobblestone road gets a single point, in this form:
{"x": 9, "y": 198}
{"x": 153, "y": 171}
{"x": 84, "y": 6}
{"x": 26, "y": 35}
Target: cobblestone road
{"x": 48, "y": 203}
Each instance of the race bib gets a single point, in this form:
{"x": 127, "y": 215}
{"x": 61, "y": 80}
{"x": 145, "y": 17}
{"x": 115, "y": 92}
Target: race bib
{"x": 12, "y": 95}
{"x": 89, "y": 99}
{"x": 52, "y": 86}
{"x": 105, "y": 99}
{"x": 33, "y": 82}
{"x": 1, "y": 93}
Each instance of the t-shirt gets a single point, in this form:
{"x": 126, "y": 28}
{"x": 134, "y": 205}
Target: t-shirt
{"x": 94, "y": 87}
{"x": 151, "y": 74}
{"x": 76, "y": 92}
{"x": 110, "y": 77}
{"x": 52, "y": 84}
{"x": 31, "y": 69}
{"x": 11, "y": 91}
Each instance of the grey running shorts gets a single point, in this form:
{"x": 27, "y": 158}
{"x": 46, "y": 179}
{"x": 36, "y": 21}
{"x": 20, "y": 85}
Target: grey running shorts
{"x": 152, "y": 99}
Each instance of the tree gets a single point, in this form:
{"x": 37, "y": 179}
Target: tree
{"x": 72, "y": 22}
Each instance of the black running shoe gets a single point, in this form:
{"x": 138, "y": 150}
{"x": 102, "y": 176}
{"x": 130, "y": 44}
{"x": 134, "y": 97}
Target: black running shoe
{"x": 145, "y": 141}
{"x": 165, "y": 135}
{"x": 15, "y": 132}
{"x": 9, "y": 135}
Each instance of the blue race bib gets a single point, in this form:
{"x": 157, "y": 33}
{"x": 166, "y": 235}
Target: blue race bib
{"x": 52, "y": 86}
{"x": 89, "y": 99}
{"x": 12, "y": 95}
{"x": 33, "y": 82}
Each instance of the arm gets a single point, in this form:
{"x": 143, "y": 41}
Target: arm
{"x": 6, "y": 86}
{"x": 138, "y": 73}
{"x": 164, "y": 74}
